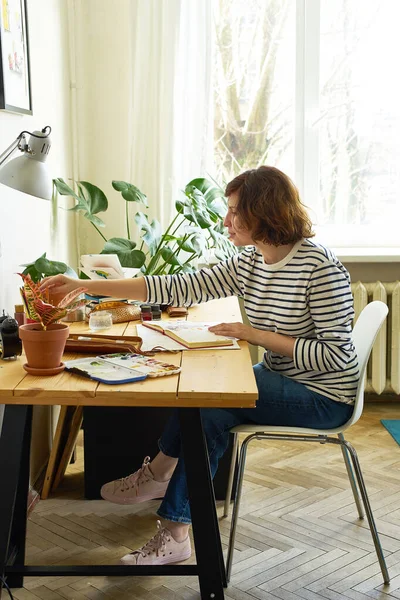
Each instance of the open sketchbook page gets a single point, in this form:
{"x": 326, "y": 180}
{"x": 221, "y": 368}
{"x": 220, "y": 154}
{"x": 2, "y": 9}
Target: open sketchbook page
{"x": 152, "y": 338}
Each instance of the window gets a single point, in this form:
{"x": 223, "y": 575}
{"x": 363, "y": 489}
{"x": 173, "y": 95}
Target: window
{"x": 311, "y": 86}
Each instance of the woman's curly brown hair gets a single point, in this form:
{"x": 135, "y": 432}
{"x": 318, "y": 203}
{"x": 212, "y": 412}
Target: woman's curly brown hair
{"x": 269, "y": 206}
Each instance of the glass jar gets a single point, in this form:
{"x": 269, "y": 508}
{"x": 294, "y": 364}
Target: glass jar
{"x": 100, "y": 320}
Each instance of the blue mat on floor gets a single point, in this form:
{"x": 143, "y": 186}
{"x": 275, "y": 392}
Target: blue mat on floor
{"x": 393, "y": 427}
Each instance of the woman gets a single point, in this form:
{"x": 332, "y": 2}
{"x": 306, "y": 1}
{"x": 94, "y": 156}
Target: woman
{"x": 298, "y": 301}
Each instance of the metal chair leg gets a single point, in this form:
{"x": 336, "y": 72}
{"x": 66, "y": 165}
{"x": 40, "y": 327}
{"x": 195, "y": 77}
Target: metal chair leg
{"x": 231, "y": 474}
{"x": 368, "y": 512}
{"x": 236, "y": 505}
{"x": 350, "y": 474}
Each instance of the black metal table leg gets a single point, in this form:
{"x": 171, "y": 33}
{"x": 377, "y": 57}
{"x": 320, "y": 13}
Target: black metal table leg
{"x": 210, "y": 562}
{"x": 15, "y": 442}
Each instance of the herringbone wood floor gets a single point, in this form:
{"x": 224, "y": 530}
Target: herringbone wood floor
{"x": 298, "y": 534}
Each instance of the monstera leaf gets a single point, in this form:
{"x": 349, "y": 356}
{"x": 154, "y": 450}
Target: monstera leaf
{"x": 91, "y": 199}
{"x": 130, "y": 192}
{"x": 151, "y": 231}
{"x": 125, "y": 249}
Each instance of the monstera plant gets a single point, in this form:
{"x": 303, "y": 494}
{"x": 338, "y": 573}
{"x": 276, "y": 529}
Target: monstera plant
{"x": 195, "y": 230}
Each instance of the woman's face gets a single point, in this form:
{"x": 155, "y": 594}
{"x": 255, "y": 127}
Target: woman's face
{"x": 238, "y": 234}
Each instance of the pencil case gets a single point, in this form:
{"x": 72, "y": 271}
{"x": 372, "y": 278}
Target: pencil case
{"x": 104, "y": 344}
{"x": 121, "y": 312}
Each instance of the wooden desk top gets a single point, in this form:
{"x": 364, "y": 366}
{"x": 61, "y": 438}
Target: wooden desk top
{"x": 209, "y": 378}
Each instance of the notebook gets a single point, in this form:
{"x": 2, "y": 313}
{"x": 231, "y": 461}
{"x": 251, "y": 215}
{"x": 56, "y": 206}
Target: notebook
{"x": 155, "y": 341}
{"x": 190, "y": 334}
{"x": 120, "y": 367}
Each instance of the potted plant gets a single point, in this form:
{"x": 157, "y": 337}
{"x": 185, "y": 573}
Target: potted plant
{"x": 44, "y": 340}
{"x": 195, "y": 231}
{"x": 44, "y": 267}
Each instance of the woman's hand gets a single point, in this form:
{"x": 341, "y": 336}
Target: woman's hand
{"x": 236, "y": 330}
{"x": 60, "y": 284}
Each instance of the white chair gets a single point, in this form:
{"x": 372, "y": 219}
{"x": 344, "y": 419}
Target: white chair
{"x": 365, "y": 331}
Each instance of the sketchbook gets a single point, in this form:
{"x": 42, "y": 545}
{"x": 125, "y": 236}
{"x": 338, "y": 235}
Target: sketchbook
{"x": 154, "y": 341}
{"x": 192, "y": 335}
{"x": 120, "y": 367}
{"x": 101, "y": 266}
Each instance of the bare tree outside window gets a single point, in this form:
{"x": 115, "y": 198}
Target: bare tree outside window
{"x": 254, "y": 73}
{"x": 359, "y": 125}
{"x": 357, "y": 110}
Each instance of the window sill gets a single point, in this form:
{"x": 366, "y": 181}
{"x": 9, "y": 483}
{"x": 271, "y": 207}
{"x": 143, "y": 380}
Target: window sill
{"x": 367, "y": 255}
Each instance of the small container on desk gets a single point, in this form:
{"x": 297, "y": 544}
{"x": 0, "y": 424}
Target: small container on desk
{"x": 156, "y": 312}
{"x": 100, "y": 320}
{"x": 145, "y": 312}
{"x": 19, "y": 314}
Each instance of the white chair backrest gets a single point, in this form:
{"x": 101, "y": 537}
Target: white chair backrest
{"x": 365, "y": 331}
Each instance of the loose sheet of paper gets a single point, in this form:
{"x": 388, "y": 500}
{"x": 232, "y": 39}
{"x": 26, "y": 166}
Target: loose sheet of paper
{"x": 152, "y": 338}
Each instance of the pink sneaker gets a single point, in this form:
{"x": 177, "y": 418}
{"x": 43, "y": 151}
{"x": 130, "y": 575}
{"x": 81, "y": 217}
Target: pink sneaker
{"x": 162, "y": 549}
{"x": 137, "y": 487}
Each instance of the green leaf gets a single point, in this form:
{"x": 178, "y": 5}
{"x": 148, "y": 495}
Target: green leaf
{"x": 199, "y": 244}
{"x": 130, "y": 192}
{"x": 179, "y": 205}
{"x": 63, "y": 189}
{"x": 125, "y": 249}
{"x": 208, "y": 188}
{"x": 43, "y": 267}
{"x": 95, "y": 197}
{"x": 49, "y": 267}
{"x": 219, "y": 207}
{"x": 169, "y": 256}
{"x": 189, "y": 213}
{"x": 203, "y": 219}
{"x": 90, "y": 201}
{"x": 207, "y": 195}
{"x": 95, "y": 220}
{"x": 31, "y": 270}
{"x": 187, "y": 246}
{"x": 187, "y": 269}
{"x": 152, "y": 231}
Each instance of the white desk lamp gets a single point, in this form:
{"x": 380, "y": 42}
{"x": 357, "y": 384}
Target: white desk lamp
{"x": 28, "y": 173}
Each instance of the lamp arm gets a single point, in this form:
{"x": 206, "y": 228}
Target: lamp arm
{"x": 10, "y": 150}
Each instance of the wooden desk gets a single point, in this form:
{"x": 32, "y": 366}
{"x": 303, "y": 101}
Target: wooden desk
{"x": 218, "y": 379}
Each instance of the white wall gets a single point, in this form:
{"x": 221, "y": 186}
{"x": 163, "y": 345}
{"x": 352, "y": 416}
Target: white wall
{"x": 143, "y": 102}
{"x": 24, "y": 220}
{"x": 25, "y": 230}
{"x": 103, "y": 55}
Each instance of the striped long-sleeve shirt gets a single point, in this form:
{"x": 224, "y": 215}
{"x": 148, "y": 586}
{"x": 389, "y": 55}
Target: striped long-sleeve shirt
{"x": 306, "y": 296}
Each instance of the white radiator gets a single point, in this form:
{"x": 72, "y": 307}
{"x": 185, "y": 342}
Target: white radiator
{"x": 383, "y": 371}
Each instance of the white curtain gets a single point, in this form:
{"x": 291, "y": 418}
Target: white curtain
{"x": 170, "y": 118}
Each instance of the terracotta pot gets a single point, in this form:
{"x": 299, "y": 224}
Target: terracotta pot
{"x": 44, "y": 349}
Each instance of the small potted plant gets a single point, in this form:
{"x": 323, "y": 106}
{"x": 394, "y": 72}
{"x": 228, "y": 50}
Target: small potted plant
{"x": 44, "y": 267}
{"x": 44, "y": 340}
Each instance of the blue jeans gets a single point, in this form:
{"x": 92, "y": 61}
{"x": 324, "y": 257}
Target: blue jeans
{"x": 281, "y": 401}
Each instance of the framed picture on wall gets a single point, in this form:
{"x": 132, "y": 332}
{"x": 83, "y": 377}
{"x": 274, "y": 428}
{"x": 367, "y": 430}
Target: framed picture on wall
{"x": 15, "y": 81}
